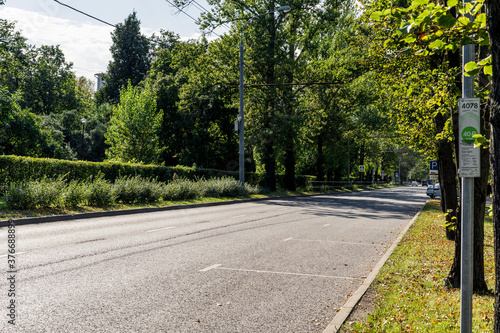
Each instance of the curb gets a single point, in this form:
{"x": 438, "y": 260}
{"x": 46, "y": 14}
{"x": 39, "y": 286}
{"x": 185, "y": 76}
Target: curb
{"x": 348, "y": 307}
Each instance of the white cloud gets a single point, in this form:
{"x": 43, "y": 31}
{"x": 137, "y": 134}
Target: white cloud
{"x": 86, "y": 45}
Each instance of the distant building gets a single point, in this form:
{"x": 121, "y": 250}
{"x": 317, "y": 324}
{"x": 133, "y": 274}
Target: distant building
{"x": 100, "y": 80}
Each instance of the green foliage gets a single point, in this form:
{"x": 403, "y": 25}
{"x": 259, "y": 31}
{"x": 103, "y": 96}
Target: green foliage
{"x": 180, "y": 189}
{"x": 42, "y": 193}
{"x": 132, "y": 135}
{"x": 426, "y": 27}
{"x": 137, "y": 189}
{"x": 101, "y": 192}
{"x": 76, "y": 194}
{"x": 131, "y": 62}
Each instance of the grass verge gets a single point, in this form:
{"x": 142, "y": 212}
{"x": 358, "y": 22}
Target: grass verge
{"x": 409, "y": 288}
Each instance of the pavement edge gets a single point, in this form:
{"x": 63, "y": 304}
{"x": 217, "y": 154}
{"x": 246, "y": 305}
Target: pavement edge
{"x": 346, "y": 310}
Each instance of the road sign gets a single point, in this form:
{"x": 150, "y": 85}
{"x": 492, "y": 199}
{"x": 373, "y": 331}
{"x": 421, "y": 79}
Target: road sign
{"x": 361, "y": 168}
{"x": 468, "y": 124}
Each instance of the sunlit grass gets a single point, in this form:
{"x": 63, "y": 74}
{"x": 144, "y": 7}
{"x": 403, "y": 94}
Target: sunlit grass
{"x": 410, "y": 287}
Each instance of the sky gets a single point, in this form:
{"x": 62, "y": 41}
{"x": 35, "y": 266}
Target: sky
{"x": 85, "y": 41}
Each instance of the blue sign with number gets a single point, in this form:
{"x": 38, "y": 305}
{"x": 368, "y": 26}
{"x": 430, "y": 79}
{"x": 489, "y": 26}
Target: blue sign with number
{"x": 433, "y": 165}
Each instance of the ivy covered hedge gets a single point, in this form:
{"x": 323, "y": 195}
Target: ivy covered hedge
{"x": 16, "y": 169}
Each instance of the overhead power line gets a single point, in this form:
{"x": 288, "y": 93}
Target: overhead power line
{"x": 79, "y": 11}
{"x": 185, "y": 13}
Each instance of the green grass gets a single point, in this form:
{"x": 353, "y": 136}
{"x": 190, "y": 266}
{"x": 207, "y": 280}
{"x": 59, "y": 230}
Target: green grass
{"x": 410, "y": 288}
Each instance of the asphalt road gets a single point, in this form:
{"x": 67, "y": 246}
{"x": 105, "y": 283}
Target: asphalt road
{"x": 283, "y": 265}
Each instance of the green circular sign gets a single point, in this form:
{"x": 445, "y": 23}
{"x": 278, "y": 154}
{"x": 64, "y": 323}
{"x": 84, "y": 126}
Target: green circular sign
{"x": 468, "y": 133}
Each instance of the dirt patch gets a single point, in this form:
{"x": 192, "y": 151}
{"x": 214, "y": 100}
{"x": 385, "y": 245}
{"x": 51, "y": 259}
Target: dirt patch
{"x": 361, "y": 311}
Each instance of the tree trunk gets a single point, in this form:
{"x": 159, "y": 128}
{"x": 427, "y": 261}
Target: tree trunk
{"x": 320, "y": 172}
{"x": 290, "y": 168}
{"x": 493, "y": 24}
{"x": 447, "y": 176}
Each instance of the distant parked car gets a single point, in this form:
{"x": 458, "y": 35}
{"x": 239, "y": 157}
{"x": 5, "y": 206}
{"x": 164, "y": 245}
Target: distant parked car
{"x": 424, "y": 183}
{"x": 434, "y": 191}
{"x": 414, "y": 183}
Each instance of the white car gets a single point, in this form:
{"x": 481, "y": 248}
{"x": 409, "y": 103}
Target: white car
{"x": 414, "y": 183}
{"x": 434, "y": 191}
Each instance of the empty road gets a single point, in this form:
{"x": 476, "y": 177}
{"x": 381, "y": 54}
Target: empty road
{"x": 283, "y": 265}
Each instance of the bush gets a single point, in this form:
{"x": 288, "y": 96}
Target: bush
{"x": 101, "y": 193}
{"x": 76, "y": 194}
{"x": 180, "y": 189}
{"x": 41, "y": 193}
{"x": 137, "y": 190}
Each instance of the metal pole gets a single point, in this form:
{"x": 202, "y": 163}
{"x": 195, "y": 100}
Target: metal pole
{"x": 467, "y": 216}
{"x": 241, "y": 120}
{"x": 348, "y": 165}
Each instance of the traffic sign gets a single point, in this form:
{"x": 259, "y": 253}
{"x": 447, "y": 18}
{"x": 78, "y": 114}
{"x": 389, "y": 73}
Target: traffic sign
{"x": 468, "y": 124}
{"x": 361, "y": 168}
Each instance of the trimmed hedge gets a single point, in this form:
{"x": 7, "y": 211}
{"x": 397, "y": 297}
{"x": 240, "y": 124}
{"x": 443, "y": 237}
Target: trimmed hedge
{"x": 17, "y": 169}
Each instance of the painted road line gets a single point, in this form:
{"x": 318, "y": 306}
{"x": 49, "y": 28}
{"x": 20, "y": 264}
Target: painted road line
{"x": 210, "y": 268}
{"x": 166, "y": 228}
{"x": 333, "y": 242}
{"x": 239, "y": 216}
{"x": 326, "y": 225}
{"x": 286, "y": 240}
{"x": 286, "y": 273}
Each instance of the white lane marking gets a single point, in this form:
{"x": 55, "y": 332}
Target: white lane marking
{"x": 210, "y": 268}
{"x": 6, "y": 255}
{"x": 326, "y": 225}
{"x": 288, "y": 273}
{"x": 239, "y": 216}
{"x": 333, "y": 242}
{"x": 166, "y": 228}
{"x": 286, "y": 240}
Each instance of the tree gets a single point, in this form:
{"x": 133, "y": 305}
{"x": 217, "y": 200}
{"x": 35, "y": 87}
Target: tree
{"x": 438, "y": 31}
{"x": 132, "y": 135}
{"x": 131, "y": 59}
{"x": 49, "y": 85}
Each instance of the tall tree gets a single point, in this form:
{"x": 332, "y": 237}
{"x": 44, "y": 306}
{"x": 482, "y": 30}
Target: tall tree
{"x": 131, "y": 59}
{"x": 132, "y": 135}
{"x": 49, "y": 85}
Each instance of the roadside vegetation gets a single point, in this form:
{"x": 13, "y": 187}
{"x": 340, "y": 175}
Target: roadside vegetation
{"x": 55, "y": 196}
{"x": 409, "y": 288}
{"x": 98, "y": 192}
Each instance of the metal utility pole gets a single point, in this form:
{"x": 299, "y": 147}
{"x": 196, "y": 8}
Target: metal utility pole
{"x": 468, "y": 169}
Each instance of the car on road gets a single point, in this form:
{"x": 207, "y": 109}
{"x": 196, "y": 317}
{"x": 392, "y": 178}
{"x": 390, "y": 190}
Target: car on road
{"x": 414, "y": 183}
{"x": 424, "y": 183}
{"x": 434, "y": 191}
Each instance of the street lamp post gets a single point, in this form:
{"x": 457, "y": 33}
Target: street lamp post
{"x": 83, "y": 133}
{"x": 241, "y": 115}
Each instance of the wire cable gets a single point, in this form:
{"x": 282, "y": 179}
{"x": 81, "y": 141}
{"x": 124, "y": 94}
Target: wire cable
{"x": 182, "y": 11}
{"x": 79, "y": 11}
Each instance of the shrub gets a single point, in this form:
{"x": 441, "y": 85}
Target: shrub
{"x": 41, "y": 193}
{"x": 76, "y": 194}
{"x": 180, "y": 189}
{"x": 137, "y": 190}
{"x": 219, "y": 187}
{"x": 101, "y": 193}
